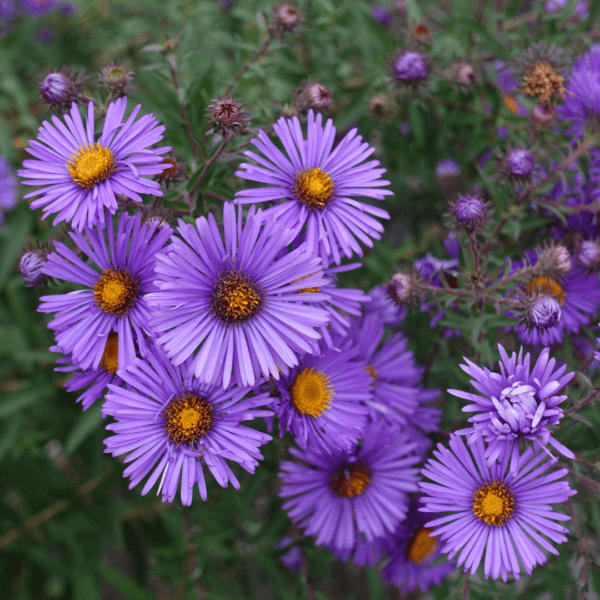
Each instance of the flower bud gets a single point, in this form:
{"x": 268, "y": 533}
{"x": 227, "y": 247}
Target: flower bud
{"x": 554, "y": 261}
{"x": 464, "y": 74}
{"x": 420, "y": 32}
{"x": 382, "y": 16}
{"x": 520, "y": 163}
{"x": 31, "y": 267}
{"x": 410, "y": 67}
{"x": 312, "y": 94}
{"x": 116, "y": 79}
{"x": 544, "y": 313}
{"x": 227, "y": 116}
{"x": 447, "y": 173}
{"x": 403, "y": 288}
{"x": 588, "y": 255}
{"x": 379, "y": 106}
{"x": 54, "y": 88}
{"x": 468, "y": 212}
{"x": 287, "y": 16}
{"x": 542, "y": 115}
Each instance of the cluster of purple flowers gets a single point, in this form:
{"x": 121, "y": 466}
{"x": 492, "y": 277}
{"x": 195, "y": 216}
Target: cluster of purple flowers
{"x": 188, "y": 332}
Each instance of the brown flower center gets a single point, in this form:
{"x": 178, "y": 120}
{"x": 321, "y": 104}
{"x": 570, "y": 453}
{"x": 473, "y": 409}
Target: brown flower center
{"x": 236, "y": 297}
{"x": 187, "y": 418}
{"x": 351, "y": 480}
{"x": 543, "y": 81}
{"x": 421, "y": 545}
{"x": 546, "y": 285}
{"x": 110, "y": 356}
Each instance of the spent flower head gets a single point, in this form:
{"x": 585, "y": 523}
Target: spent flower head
{"x": 227, "y": 116}
{"x": 116, "y": 79}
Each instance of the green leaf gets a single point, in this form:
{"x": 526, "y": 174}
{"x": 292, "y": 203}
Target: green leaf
{"x": 19, "y": 401}
{"x": 10, "y": 431}
{"x": 123, "y": 584}
{"x": 87, "y": 423}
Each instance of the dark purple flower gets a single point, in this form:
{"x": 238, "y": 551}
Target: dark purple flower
{"x": 520, "y": 162}
{"x": 488, "y": 509}
{"x": 382, "y": 15}
{"x": 340, "y": 496}
{"x": 410, "y": 67}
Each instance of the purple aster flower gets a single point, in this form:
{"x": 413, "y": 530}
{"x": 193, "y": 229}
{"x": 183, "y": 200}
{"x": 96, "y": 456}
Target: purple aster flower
{"x": 292, "y": 558}
{"x": 447, "y": 167}
{"x": 382, "y": 15}
{"x": 588, "y": 255}
{"x": 95, "y": 380}
{"x": 581, "y": 8}
{"x": 516, "y": 403}
{"x": 584, "y": 87}
{"x": 323, "y": 401}
{"x": 505, "y": 78}
{"x": 520, "y": 162}
{"x": 54, "y": 87}
{"x": 235, "y": 306}
{"x": 339, "y": 496}
{"x": 80, "y": 177}
{"x": 7, "y": 9}
{"x": 410, "y": 67}
{"x": 112, "y": 295}
{"x": 414, "y": 555}
{"x": 487, "y": 509}
{"x": 318, "y": 185}
{"x": 171, "y": 425}
{"x": 395, "y": 374}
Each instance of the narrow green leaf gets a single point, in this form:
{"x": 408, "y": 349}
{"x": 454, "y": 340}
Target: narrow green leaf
{"x": 19, "y": 401}
{"x": 123, "y": 584}
{"x": 87, "y": 423}
{"x": 10, "y": 430}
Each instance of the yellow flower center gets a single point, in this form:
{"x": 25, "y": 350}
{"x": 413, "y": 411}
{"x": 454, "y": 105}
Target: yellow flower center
{"x": 313, "y": 187}
{"x": 110, "y": 356}
{"x": 92, "y": 164}
{"x": 351, "y": 480}
{"x": 543, "y": 81}
{"x": 312, "y": 392}
{"x": 546, "y": 285}
{"x": 236, "y": 297}
{"x": 421, "y": 545}
{"x": 373, "y": 373}
{"x": 187, "y": 418}
{"x": 494, "y": 503}
{"x": 116, "y": 291}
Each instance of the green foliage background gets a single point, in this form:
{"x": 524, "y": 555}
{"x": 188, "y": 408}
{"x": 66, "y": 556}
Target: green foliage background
{"x": 69, "y": 527}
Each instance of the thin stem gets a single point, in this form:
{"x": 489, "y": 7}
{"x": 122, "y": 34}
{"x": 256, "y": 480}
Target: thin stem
{"x": 216, "y": 196}
{"x": 183, "y": 111}
{"x": 591, "y": 398}
{"x": 207, "y": 167}
{"x": 257, "y": 55}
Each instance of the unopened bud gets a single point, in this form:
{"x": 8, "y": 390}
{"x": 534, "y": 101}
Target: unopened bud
{"x": 227, "y": 115}
{"x": 468, "y": 213}
{"x": 554, "y": 261}
{"x": 116, "y": 79}
{"x": 544, "y": 313}
{"x": 588, "y": 255}
{"x": 54, "y": 88}
{"x": 312, "y": 94}
{"x": 520, "y": 163}
{"x": 464, "y": 74}
{"x": 403, "y": 289}
{"x": 420, "y": 32}
{"x": 410, "y": 67}
{"x": 379, "y": 106}
{"x": 382, "y": 16}
{"x": 447, "y": 173}
{"x": 287, "y": 16}
{"x": 31, "y": 267}
{"x": 542, "y": 114}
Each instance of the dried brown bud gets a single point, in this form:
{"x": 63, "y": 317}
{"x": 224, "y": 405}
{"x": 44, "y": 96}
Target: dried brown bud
{"x": 554, "y": 261}
{"x": 312, "y": 94}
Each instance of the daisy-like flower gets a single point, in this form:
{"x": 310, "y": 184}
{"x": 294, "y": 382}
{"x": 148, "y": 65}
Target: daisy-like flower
{"x": 317, "y": 185}
{"x": 340, "y": 496}
{"x": 395, "y": 375}
{"x": 414, "y": 554}
{"x": 172, "y": 426}
{"x": 113, "y": 293}
{"x": 516, "y": 403}
{"x": 79, "y": 176}
{"x": 324, "y": 399}
{"x": 234, "y": 306}
{"x": 489, "y": 510}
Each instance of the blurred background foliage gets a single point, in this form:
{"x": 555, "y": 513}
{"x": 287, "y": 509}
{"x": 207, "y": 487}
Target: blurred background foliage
{"x": 69, "y": 527}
